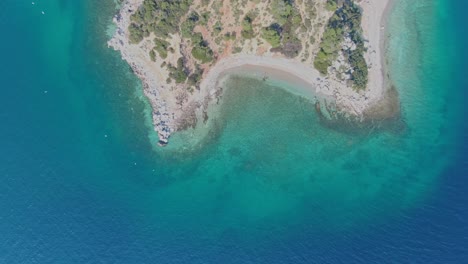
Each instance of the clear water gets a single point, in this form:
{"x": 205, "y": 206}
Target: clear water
{"x": 273, "y": 185}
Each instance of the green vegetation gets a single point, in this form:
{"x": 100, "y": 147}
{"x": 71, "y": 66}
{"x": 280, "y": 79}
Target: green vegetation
{"x": 310, "y": 10}
{"x": 186, "y": 28}
{"x": 282, "y": 33}
{"x": 195, "y": 78}
{"x": 164, "y": 18}
{"x": 358, "y": 63}
{"x": 161, "y": 47}
{"x": 152, "y": 55}
{"x": 217, "y": 28}
{"x": 179, "y": 73}
{"x": 331, "y": 5}
{"x": 237, "y": 50}
{"x": 201, "y": 51}
{"x": 136, "y": 33}
{"x": 161, "y": 17}
{"x": 230, "y": 36}
{"x": 272, "y": 35}
{"x": 281, "y": 10}
{"x": 204, "y": 18}
{"x": 345, "y": 21}
{"x": 330, "y": 46}
{"x": 247, "y": 28}
{"x": 196, "y": 38}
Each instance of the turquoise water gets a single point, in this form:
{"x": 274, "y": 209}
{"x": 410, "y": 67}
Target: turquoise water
{"x": 272, "y": 155}
{"x": 82, "y": 181}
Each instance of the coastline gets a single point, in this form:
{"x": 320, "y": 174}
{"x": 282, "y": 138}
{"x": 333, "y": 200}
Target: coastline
{"x": 388, "y": 106}
{"x": 151, "y": 77}
{"x": 171, "y": 113}
{"x": 357, "y": 105}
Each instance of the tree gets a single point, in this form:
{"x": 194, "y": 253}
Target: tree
{"x": 272, "y": 35}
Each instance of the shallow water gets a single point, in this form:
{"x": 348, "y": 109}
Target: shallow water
{"x": 82, "y": 182}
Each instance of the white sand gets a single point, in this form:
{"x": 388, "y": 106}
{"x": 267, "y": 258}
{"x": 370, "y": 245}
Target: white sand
{"x": 164, "y": 99}
{"x": 347, "y": 99}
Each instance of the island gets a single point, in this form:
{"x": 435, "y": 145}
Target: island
{"x": 182, "y": 49}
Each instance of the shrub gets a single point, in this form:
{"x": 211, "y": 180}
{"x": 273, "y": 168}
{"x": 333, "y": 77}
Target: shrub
{"x": 202, "y": 53}
{"x": 247, "y": 29}
{"x": 322, "y": 62}
{"x": 281, "y": 10}
{"x": 161, "y": 47}
{"x": 136, "y": 34}
{"x": 272, "y": 35}
{"x": 152, "y": 55}
{"x": 161, "y": 16}
{"x": 179, "y": 74}
{"x": 287, "y": 20}
{"x": 331, "y": 5}
{"x": 217, "y": 28}
{"x": 345, "y": 20}
{"x": 360, "y": 73}
{"x": 186, "y": 27}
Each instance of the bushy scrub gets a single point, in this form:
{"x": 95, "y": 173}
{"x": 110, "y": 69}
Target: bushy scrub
{"x": 161, "y": 47}
{"x": 162, "y": 17}
{"x": 272, "y": 35}
{"x": 346, "y": 20}
{"x": 282, "y": 33}
{"x": 247, "y": 28}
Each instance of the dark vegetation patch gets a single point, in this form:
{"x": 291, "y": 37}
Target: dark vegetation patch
{"x": 282, "y": 33}
{"x": 162, "y": 17}
{"x": 346, "y": 20}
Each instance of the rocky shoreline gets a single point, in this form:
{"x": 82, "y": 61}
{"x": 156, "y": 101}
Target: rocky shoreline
{"x": 175, "y": 109}
{"x": 161, "y": 116}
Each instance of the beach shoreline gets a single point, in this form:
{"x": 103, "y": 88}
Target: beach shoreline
{"x": 378, "y": 101}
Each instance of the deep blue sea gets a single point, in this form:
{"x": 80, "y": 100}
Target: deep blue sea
{"x": 81, "y": 180}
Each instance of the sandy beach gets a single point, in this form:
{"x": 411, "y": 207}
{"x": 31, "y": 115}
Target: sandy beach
{"x": 168, "y": 112}
{"x": 347, "y": 99}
